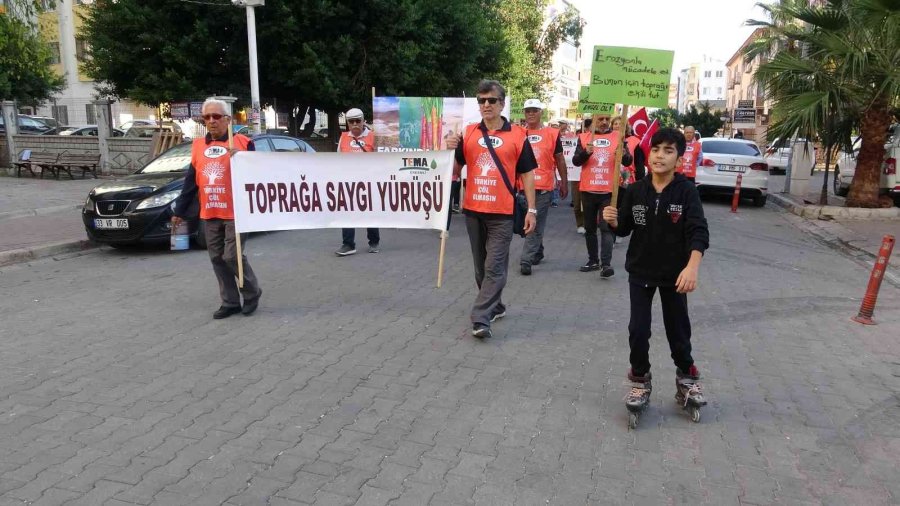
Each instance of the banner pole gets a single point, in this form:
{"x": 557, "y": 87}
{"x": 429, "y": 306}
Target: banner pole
{"x": 617, "y": 172}
{"x": 237, "y": 236}
{"x": 441, "y": 258}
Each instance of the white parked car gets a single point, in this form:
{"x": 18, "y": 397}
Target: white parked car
{"x": 845, "y": 167}
{"x": 724, "y": 159}
{"x": 778, "y": 156}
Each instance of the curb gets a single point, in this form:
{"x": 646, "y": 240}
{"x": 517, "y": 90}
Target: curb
{"x": 38, "y": 212}
{"x": 20, "y": 255}
{"x": 816, "y": 212}
{"x": 858, "y": 255}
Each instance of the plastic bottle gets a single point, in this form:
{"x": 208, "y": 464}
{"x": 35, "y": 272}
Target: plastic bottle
{"x": 181, "y": 239}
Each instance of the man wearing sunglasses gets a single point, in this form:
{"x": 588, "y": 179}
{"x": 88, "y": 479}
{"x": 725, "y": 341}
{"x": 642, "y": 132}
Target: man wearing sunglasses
{"x": 489, "y": 200}
{"x": 209, "y": 178}
{"x": 357, "y": 139}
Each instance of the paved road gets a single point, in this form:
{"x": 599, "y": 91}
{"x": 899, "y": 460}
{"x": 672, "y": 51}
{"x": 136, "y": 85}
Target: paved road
{"x": 357, "y": 382}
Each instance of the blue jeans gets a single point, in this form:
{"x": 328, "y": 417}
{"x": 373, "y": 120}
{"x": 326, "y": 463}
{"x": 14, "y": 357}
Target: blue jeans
{"x": 349, "y": 236}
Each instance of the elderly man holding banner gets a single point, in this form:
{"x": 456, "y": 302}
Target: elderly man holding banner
{"x": 548, "y": 151}
{"x": 495, "y": 152}
{"x": 357, "y": 139}
{"x": 209, "y": 177}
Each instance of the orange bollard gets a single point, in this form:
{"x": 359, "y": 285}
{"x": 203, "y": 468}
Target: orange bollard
{"x": 737, "y": 193}
{"x": 867, "y": 309}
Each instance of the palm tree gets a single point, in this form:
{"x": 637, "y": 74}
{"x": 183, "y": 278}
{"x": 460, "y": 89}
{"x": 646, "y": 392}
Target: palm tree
{"x": 834, "y": 65}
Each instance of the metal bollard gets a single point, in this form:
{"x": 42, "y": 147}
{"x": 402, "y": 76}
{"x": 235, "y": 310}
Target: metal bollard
{"x": 737, "y": 193}
{"x": 867, "y": 309}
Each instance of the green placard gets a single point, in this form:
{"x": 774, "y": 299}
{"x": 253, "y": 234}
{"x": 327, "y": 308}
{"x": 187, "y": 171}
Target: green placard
{"x": 586, "y": 106}
{"x": 631, "y": 76}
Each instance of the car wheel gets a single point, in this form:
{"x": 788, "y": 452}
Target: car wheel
{"x": 760, "y": 200}
{"x": 200, "y": 237}
{"x": 839, "y": 190}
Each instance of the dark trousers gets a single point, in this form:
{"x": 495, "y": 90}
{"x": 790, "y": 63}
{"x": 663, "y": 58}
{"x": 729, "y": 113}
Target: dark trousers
{"x": 490, "y": 239}
{"x": 593, "y": 204}
{"x": 222, "y": 247}
{"x": 675, "y": 319}
{"x": 349, "y": 236}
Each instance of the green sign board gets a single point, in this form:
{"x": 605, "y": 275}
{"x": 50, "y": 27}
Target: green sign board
{"x": 631, "y": 76}
{"x": 586, "y": 106}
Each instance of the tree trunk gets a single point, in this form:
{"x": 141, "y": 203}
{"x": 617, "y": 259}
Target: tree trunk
{"x": 311, "y": 124}
{"x": 867, "y": 180}
{"x": 823, "y": 197}
{"x": 334, "y": 128}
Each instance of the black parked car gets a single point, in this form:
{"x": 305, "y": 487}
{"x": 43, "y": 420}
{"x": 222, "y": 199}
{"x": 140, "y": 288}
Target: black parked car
{"x": 138, "y": 208}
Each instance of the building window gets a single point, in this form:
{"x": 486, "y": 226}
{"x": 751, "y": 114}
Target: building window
{"x": 54, "y": 53}
{"x": 91, "y": 111}
{"x": 81, "y": 49}
{"x": 719, "y": 91}
{"x": 707, "y": 73}
{"x": 60, "y": 113}
{"x": 706, "y": 91}
{"x": 719, "y": 73}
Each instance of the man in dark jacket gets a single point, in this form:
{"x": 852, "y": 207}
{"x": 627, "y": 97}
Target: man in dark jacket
{"x": 664, "y": 215}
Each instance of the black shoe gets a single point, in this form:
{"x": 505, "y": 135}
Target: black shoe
{"x": 250, "y": 307}
{"x": 500, "y": 313}
{"x": 481, "y": 331}
{"x": 226, "y": 311}
{"x": 538, "y": 260}
{"x": 590, "y": 266}
{"x": 607, "y": 272}
{"x": 525, "y": 269}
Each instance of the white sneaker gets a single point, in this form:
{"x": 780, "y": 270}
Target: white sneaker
{"x": 580, "y": 230}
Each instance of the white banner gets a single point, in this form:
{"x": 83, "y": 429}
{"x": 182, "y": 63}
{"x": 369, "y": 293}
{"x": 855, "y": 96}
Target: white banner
{"x": 569, "y": 142}
{"x": 289, "y": 191}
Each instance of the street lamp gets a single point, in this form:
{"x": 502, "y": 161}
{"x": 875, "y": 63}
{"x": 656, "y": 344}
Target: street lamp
{"x": 254, "y": 66}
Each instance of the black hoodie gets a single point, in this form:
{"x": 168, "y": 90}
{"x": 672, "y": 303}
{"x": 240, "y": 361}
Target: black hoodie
{"x": 665, "y": 227}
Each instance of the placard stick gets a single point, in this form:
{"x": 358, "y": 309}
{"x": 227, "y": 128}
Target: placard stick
{"x": 441, "y": 258}
{"x": 237, "y": 236}
{"x": 617, "y": 171}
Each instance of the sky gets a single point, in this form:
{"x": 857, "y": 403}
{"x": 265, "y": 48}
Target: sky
{"x": 692, "y": 28}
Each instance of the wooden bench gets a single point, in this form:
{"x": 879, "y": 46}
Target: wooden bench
{"x": 73, "y": 161}
{"x": 44, "y": 160}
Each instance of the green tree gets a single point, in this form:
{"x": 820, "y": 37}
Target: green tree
{"x": 529, "y": 44}
{"x": 25, "y": 73}
{"x": 668, "y": 118}
{"x": 706, "y": 121}
{"x": 326, "y": 54}
{"x": 831, "y": 66}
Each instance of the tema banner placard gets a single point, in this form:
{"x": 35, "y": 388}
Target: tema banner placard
{"x": 290, "y": 191}
{"x": 631, "y": 75}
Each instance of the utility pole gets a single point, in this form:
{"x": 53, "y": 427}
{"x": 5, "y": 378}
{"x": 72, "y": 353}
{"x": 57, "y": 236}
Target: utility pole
{"x": 255, "y": 110}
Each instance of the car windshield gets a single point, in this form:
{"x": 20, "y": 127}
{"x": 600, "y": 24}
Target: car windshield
{"x": 174, "y": 160}
{"x": 730, "y": 148}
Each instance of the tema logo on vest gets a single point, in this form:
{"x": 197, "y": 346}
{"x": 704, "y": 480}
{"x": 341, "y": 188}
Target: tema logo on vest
{"x": 601, "y": 143}
{"x": 534, "y": 138}
{"x": 419, "y": 165}
{"x": 213, "y": 172}
{"x": 215, "y": 151}
{"x": 496, "y": 141}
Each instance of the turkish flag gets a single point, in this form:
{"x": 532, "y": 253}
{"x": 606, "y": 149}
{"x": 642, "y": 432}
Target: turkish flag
{"x": 645, "y": 141}
{"x": 639, "y": 122}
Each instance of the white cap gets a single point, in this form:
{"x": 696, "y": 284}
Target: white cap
{"x": 354, "y": 113}
{"x": 533, "y": 103}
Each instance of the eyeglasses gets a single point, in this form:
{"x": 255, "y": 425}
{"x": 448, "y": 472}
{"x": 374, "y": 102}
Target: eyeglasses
{"x": 217, "y": 117}
{"x": 354, "y": 121}
{"x": 490, "y": 100}
{"x": 532, "y": 110}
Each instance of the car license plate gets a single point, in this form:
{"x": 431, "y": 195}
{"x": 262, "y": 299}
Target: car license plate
{"x": 111, "y": 224}
{"x": 732, "y": 168}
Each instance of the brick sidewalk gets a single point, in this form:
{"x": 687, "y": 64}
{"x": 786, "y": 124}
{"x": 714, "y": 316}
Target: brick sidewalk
{"x": 357, "y": 382}
{"x": 27, "y": 193}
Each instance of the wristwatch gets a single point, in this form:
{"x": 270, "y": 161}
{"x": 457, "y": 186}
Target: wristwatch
{"x": 532, "y": 211}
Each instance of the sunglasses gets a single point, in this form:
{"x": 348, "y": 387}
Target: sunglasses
{"x": 217, "y": 117}
{"x": 354, "y": 121}
{"x": 490, "y": 100}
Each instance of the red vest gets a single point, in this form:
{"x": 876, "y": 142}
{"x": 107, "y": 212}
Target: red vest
{"x": 633, "y": 142}
{"x": 691, "y": 155}
{"x": 364, "y": 143}
{"x": 486, "y": 191}
{"x": 212, "y": 164}
{"x": 597, "y": 171}
{"x": 543, "y": 142}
